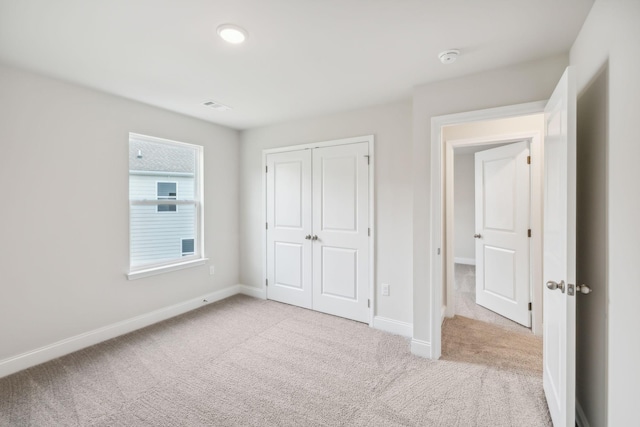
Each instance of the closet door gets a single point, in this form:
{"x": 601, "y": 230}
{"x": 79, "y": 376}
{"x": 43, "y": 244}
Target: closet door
{"x": 289, "y": 241}
{"x": 340, "y": 231}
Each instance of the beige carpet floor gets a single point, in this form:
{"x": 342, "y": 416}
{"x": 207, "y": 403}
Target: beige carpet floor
{"x": 248, "y": 362}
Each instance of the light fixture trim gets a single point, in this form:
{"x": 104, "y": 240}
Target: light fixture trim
{"x": 232, "y": 33}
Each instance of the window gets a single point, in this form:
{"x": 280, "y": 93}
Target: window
{"x": 187, "y": 247}
{"x": 165, "y": 204}
{"x": 167, "y": 191}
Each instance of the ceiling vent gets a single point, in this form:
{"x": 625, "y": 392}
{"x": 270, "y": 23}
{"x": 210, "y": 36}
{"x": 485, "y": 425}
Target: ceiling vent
{"x": 217, "y": 106}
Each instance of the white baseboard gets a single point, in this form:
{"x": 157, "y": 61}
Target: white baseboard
{"x": 252, "y": 291}
{"x": 393, "y": 326}
{"x": 581, "y": 418}
{"x": 69, "y": 345}
{"x": 461, "y": 260}
{"x": 421, "y": 348}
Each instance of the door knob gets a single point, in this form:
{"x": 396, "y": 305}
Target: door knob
{"x": 554, "y": 285}
{"x": 314, "y": 237}
{"x": 583, "y": 289}
{"x": 477, "y": 236}
{"x": 308, "y": 237}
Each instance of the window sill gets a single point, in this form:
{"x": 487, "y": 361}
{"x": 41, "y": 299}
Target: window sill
{"x": 139, "y": 274}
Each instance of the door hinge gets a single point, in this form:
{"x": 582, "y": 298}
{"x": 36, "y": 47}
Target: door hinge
{"x": 266, "y": 225}
{"x": 529, "y": 233}
{"x": 369, "y": 232}
{"x": 368, "y": 303}
{"x": 368, "y": 158}
{"x": 266, "y": 282}
{"x": 528, "y": 160}
{"x": 266, "y": 169}
{"x": 529, "y": 306}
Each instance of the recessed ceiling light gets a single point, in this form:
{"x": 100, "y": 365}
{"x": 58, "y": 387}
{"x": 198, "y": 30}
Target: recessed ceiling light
{"x": 449, "y": 56}
{"x": 232, "y": 33}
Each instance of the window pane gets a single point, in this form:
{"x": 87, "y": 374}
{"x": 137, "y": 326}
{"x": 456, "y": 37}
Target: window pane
{"x": 187, "y": 246}
{"x": 167, "y": 208}
{"x": 167, "y": 190}
{"x": 160, "y": 170}
{"x": 157, "y": 238}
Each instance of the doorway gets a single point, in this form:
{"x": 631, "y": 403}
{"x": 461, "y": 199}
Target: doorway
{"x": 486, "y": 136}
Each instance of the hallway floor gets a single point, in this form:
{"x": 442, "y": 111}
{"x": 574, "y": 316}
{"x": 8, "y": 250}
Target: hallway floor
{"x": 465, "y": 301}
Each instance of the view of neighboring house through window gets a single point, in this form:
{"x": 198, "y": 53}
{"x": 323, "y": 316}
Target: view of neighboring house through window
{"x": 187, "y": 247}
{"x": 167, "y": 191}
{"x": 165, "y": 194}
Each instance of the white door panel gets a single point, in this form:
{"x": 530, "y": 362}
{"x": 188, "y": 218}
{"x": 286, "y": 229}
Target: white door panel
{"x": 289, "y": 259}
{"x": 340, "y": 222}
{"x": 559, "y": 251}
{"x": 339, "y": 272}
{"x": 502, "y": 222}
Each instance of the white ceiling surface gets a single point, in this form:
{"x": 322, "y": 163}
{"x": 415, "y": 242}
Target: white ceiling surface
{"x": 302, "y": 58}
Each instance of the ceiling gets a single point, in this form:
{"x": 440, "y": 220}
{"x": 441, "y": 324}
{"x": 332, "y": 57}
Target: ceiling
{"x": 302, "y": 58}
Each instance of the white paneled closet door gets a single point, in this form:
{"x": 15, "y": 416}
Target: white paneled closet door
{"x": 318, "y": 229}
{"x": 340, "y": 222}
{"x": 289, "y": 227}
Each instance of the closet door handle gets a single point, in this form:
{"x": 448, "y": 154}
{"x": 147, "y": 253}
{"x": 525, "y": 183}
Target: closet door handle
{"x": 314, "y": 237}
{"x": 308, "y": 237}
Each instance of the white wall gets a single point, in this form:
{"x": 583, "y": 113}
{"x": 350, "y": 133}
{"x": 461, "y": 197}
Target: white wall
{"x": 64, "y": 223}
{"x": 518, "y": 84}
{"x": 464, "y": 194}
{"x": 611, "y": 34}
{"x": 391, "y": 126}
{"x": 489, "y": 128}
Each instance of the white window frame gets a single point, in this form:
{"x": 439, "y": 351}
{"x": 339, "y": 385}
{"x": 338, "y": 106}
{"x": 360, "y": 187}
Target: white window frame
{"x": 182, "y": 262}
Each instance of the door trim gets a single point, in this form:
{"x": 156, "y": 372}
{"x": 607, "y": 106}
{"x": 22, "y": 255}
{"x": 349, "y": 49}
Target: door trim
{"x": 437, "y": 236}
{"x": 535, "y": 217}
{"x": 369, "y": 139}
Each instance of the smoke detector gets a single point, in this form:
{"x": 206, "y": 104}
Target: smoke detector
{"x": 449, "y": 56}
{"x": 217, "y": 106}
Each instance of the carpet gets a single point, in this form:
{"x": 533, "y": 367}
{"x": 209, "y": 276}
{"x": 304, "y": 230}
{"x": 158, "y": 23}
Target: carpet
{"x": 249, "y": 362}
{"x": 472, "y": 341}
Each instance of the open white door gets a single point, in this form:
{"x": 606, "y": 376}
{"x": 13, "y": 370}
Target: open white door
{"x": 559, "y": 275}
{"x": 502, "y": 222}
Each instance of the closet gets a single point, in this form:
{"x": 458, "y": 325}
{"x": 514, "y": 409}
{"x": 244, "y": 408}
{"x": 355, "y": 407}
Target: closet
{"x": 318, "y": 227}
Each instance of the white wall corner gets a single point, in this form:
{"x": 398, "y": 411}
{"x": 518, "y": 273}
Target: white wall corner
{"x": 40, "y": 355}
{"x": 421, "y": 348}
{"x": 581, "y": 417}
{"x": 467, "y": 261}
{"x": 393, "y": 326}
{"x": 252, "y": 291}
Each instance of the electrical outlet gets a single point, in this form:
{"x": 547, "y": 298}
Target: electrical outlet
{"x": 212, "y": 270}
{"x": 385, "y": 289}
